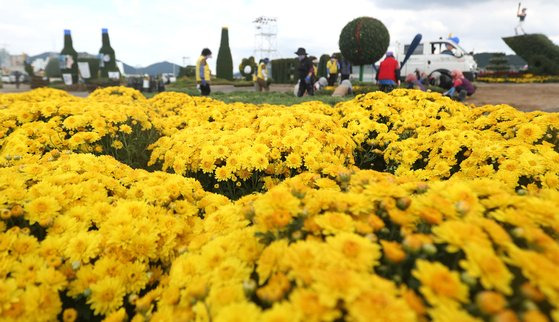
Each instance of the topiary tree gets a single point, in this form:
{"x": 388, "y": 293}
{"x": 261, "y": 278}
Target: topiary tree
{"x": 364, "y": 40}
{"x": 284, "y": 70}
{"x": 52, "y": 69}
{"x": 322, "y": 65}
{"x": 498, "y": 63}
{"x": 224, "y": 63}
{"x": 28, "y": 69}
{"x": 248, "y": 67}
{"x": 541, "y": 54}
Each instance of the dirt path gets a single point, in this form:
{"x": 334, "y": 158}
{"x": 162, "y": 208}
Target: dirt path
{"x": 525, "y": 97}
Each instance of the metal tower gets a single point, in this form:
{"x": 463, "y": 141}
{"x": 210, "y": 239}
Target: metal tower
{"x": 265, "y": 37}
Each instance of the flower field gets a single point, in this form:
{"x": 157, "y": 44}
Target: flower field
{"x": 520, "y": 79}
{"x": 389, "y": 207}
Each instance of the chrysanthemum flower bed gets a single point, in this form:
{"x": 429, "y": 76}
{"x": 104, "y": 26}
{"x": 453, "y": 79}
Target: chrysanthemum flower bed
{"x": 398, "y": 207}
{"x": 519, "y": 79}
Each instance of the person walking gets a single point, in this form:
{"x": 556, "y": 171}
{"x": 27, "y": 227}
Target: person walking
{"x": 332, "y": 68}
{"x": 305, "y": 70}
{"x": 345, "y": 69}
{"x": 262, "y": 75}
{"x": 388, "y": 75}
{"x": 203, "y": 73}
{"x": 521, "y": 17}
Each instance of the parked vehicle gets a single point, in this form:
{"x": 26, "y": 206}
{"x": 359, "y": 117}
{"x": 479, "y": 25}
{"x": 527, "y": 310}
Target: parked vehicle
{"x": 11, "y": 78}
{"x": 437, "y": 59}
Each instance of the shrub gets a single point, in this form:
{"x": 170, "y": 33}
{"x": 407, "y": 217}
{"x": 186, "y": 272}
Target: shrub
{"x": 364, "y": 40}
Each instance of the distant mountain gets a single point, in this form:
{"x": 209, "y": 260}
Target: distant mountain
{"x": 48, "y": 54}
{"x": 515, "y": 61}
{"x": 43, "y": 55}
{"x": 153, "y": 69}
{"x": 159, "y": 68}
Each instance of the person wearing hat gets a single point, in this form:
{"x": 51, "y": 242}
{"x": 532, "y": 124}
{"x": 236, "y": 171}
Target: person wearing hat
{"x": 306, "y": 71}
{"x": 449, "y": 50}
{"x": 388, "y": 75}
{"x": 262, "y": 75}
{"x": 203, "y": 73}
{"x": 332, "y": 68}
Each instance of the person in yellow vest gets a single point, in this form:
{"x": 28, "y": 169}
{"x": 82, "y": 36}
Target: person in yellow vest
{"x": 203, "y": 73}
{"x": 332, "y": 68}
{"x": 262, "y": 75}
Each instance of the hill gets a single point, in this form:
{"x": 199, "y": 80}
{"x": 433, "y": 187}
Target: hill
{"x": 515, "y": 62}
{"x": 153, "y": 69}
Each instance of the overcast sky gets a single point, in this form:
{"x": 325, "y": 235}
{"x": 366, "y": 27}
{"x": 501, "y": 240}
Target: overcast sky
{"x": 143, "y": 32}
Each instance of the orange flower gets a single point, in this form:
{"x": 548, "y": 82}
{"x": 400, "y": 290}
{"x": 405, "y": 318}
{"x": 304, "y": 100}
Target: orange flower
{"x": 506, "y": 316}
{"x": 375, "y": 222}
{"x": 490, "y": 302}
{"x": 532, "y": 292}
{"x": 535, "y": 316}
{"x": 69, "y": 315}
{"x": 393, "y": 251}
{"x": 415, "y": 302}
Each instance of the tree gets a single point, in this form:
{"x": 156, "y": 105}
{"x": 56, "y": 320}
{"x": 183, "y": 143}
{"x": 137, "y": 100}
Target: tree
{"x": 498, "y": 63}
{"x": 322, "y": 65}
{"x": 224, "y": 63}
{"x": 53, "y": 68}
{"x": 188, "y": 71}
{"x": 28, "y": 69}
{"x": 364, "y": 40}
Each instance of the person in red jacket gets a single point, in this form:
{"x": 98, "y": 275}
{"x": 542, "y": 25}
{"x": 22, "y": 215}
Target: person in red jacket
{"x": 388, "y": 75}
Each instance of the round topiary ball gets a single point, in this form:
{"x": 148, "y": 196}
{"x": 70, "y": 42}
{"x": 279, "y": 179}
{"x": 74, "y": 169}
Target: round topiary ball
{"x": 364, "y": 40}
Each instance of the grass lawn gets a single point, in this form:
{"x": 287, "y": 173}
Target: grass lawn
{"x": 275, "y": 98}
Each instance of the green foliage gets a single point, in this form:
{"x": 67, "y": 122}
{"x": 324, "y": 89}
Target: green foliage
{"x": 248, "y": 62}
{"x": 188, "y": 71}
{"x": 69, "y": 50}
{"x": 277, "y": 98}
{"x": 134, "y": 145}
{"x": 53, "y": 68}
{"x": 498, "y": 63}
{"x": 106, "y": 50}
{"x": 224, "y": 63}
{"x": 364, "y": 40}
{"x": 322, "y": 65}
{"x": 541, "y": 54}
{"x": 29, "y": 69}
{"x": 284, "y": 70}
{"x": 93, "y": 66}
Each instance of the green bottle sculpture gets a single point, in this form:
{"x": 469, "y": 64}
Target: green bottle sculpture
{"x": 107, "y": 58}
{"x": 69, "y": 60}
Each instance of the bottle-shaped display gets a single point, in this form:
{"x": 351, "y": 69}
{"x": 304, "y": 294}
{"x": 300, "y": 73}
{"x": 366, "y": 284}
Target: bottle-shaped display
{"x": 107, "y": 58}
{"x": 69, "y": 60}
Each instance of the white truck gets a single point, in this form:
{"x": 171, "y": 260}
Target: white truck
{"x": 437, "y": 59}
